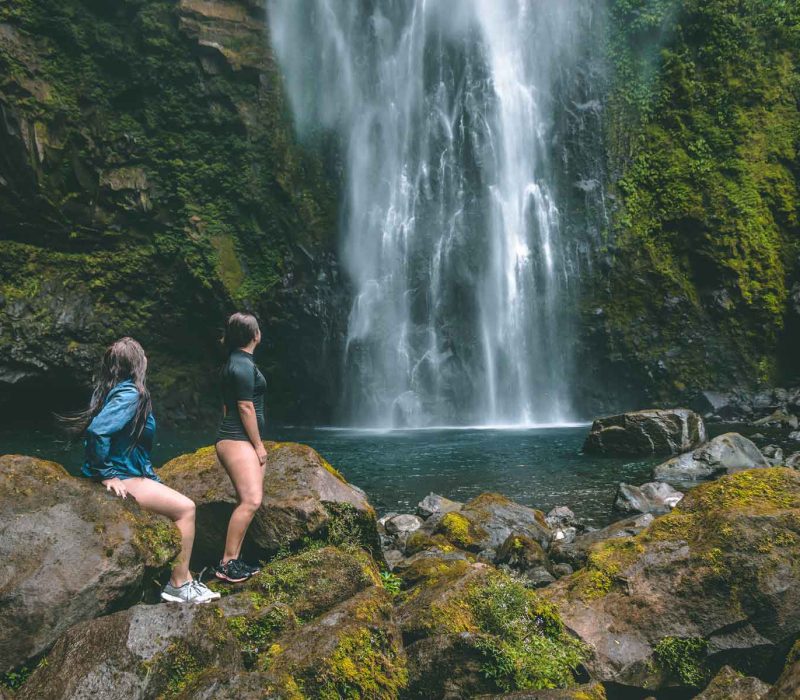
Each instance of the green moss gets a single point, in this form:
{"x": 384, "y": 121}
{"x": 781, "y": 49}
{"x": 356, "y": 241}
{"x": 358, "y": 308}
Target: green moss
{"x": 703, "y": 131}
{"x": 179, "y": 667}
{"x": 605, "y": 564}
{"x": 256, "y": 632}
{"x": 521, "y": 637}
{"x": 684, "y": 658}
{"x": 157, "y": 539}
{"x": 456, "y": 528}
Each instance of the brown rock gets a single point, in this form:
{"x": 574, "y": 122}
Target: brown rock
{"x": 732, "y": 685}
{"x": 70, "y": 552}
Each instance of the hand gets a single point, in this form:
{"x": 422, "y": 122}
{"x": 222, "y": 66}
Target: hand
{"x": 262, "y": 454}
{"x": 117, "y": 486}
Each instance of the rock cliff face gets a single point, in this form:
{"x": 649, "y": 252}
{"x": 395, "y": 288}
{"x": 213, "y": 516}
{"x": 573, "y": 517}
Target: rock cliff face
{"x": 696, "y": 281}
{"x": 150, "y": 184}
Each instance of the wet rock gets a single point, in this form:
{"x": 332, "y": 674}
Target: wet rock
{"x": 646, "y": 432}
{"x": 729, "y": 684}
{"x": 561, "y": 516}
{"x": 779, "y": 419}
{"x": 304, "y": 497}
{"x": 575, "y": 553}
{"x": 725, "y": 454}
{"x": 146, "y": 651}
{"x": 434, "y": 504}
{"x": 773, "y": 453}
{"x": 713, "y": 582}
{"x": 653, "y": 497}
{"x": 403, "y": 524}
{"x": 70, "y": 552}
{"x": 486, "y": 522}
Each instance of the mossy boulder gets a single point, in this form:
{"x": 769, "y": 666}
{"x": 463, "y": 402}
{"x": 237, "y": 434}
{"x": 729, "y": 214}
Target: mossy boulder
{"x": 71, "y": 552}
{"x": 146, "y": 651}
{"x": 729, "y": 684}
{"x": 715, "y": 582}
{"x": 647, "y": 432}
{"x": 305, "y": 499}
{"x": 488, "y": 629}
{"x": 315, "y": 580}
{"x": 725, "y": 454}
{"x": 576, "y": 552}
{"x": 486, "y": 522}
{"x": 354, "y": 650}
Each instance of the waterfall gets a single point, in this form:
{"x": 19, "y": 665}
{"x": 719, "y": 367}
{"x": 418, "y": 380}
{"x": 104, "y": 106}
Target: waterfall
{"x": 452, "y": 232}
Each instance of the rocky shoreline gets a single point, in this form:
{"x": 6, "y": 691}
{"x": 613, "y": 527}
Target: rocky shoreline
{"x": 692, "y": 592}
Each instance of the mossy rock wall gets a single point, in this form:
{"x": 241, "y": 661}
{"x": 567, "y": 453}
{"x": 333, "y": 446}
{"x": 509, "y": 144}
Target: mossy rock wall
{"x": 694, "y": 281}
{"x": 150, "y": 184}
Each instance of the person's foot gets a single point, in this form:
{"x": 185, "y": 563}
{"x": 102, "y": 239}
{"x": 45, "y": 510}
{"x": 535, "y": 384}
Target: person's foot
{"x": 252, "y": 568}
{"x": 190, "y": 592}
{"x": 234, "y": 571}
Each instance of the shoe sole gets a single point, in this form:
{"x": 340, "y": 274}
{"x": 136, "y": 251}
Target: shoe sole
{"x": 166, "y": 597}
{"x": 223, "y": 577}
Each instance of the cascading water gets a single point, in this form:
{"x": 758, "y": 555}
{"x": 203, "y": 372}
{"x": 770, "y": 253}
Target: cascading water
{"x": 446, "y": 112}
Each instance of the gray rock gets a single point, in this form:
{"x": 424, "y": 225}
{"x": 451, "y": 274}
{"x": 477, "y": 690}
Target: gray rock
{"x": 652, "y": 497}
{"x": 538, "y": 577}
{"x": 562, "y": 569}
{"x": 560, "y": 515}
{"x": 729, "y": 684}
{"x": 795, "y": 435}
{"x": 646, "y": 432}
{"x": 403, "y": 524}
{"x": 773, "y": 453}
{"x": 382, "y": 520}
{"x": 393, "y": 557}
{"x": 725, "y": 454}
{"x": 565, "y": 535}
{"x": 779, "y": 419}
{"x": 434, "y": 504}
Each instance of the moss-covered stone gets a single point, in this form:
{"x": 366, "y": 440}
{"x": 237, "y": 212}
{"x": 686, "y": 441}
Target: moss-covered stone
{"x": 658, "y": 608}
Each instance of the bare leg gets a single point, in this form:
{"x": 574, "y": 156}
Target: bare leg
{"x": 159, "y": 498}
{"x": 247, "y": 474}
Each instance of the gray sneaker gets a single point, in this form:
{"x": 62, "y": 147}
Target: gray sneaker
{"x": 190, "y": 592}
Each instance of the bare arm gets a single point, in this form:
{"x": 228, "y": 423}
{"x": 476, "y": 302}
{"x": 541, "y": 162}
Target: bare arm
{"x": 247, "y": 411}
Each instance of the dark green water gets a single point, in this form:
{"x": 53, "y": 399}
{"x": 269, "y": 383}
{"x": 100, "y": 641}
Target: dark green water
{"x": 537, "y": 467}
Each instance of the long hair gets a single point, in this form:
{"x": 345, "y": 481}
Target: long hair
{"x": 123, "y": 359}
{"x": 240, "y": 329}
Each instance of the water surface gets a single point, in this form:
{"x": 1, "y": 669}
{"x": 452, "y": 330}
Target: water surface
{"x": 538, "y": 467}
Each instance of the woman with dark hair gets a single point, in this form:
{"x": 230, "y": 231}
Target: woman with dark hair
{"x": 239, "y": 440}
{"x": 119, "y": 427}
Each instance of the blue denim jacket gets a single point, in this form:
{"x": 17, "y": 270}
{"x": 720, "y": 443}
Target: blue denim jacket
{"x": 108, "y": 444}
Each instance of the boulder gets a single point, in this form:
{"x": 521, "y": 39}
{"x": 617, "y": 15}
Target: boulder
{"x": 353, "y": 650}
{"x": 652, "y": 497}
{"x": 794, "y": 436}
{"x": 778, "y": 419}
{"x": 773, "y": 453}
{"x": 729, "y": 684}
{"x": 434, "y": 504}
{"x": 70, "y": 552}
{"x": 403, "y": 524}
{"x": 646, "y": 432}
{"x": 487, "y": 629}
{"x": 486, "y": 522}
{"x": 714, "y": 582}
{"x": 526, "y": 556}
{"x": 793, "y": 461}
{"x": 576, "y": 552}
{"x": 315, "y": 580}
{"x": 725, "y": 454}
{"x": 561, "y": 516}
{"x": 304, "y": 498}
{"x": 146, "y": 651}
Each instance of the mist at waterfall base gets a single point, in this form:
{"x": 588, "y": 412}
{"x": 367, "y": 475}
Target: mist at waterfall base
{"x": 397, "y": 468}
{"x": 451, "y": 120}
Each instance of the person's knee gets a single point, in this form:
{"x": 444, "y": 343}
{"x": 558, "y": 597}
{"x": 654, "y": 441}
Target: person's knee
{"x": 252, "y": 501}
{"x": 188, "y": 511}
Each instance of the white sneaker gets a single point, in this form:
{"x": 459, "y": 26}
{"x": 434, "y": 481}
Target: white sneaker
{"x": 190, "y": 592}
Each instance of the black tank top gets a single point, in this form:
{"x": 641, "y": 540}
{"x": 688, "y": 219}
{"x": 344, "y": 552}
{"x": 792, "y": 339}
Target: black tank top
{"x": 241, "y": 381}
